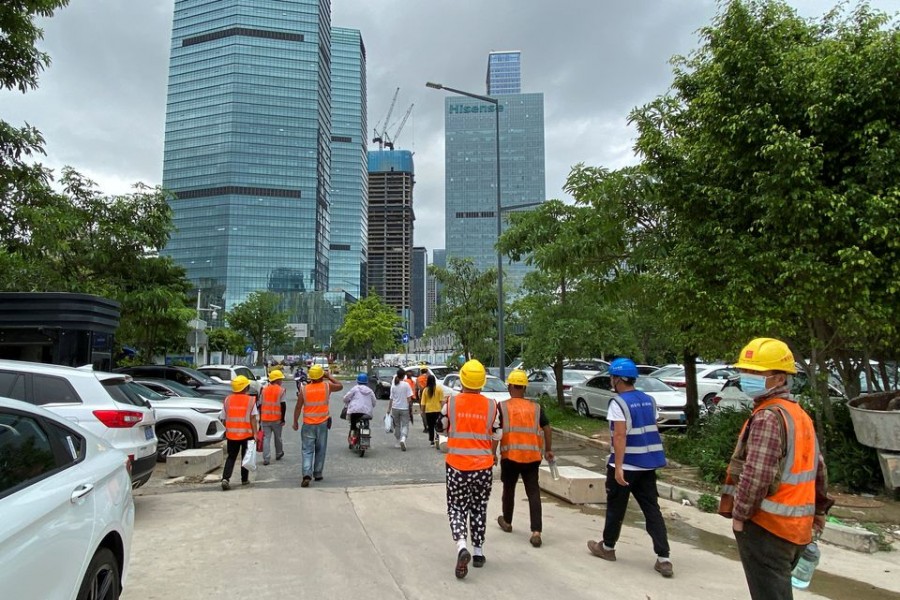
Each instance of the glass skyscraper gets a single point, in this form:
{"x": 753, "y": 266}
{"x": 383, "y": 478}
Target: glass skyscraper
{"x": 248, "y": 145}
{"x": 504, "y": 73}
{"x": 417, "y": 290}
{"x": 349, "y": 164}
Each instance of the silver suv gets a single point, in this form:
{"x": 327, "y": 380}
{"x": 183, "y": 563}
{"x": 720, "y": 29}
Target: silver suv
{"x": 94, "y": 400}
{"x": 225, "y": 373}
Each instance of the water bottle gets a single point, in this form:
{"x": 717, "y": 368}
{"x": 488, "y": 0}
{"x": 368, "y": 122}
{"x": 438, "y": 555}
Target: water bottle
{"x": 806, "y": 566}
{"x": 554, "y": 470}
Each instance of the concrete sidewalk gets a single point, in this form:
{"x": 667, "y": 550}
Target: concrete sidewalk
{"x": 394, "y": 542}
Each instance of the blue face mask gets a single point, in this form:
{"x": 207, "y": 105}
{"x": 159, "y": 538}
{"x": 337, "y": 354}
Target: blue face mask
{"x": 753, "y": 385}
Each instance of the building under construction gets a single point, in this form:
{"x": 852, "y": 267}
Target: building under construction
{"x": 391, "y": 218}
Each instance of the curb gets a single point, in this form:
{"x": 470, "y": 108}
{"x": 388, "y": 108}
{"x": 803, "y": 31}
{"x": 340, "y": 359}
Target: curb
{"x": 581, "y": 438}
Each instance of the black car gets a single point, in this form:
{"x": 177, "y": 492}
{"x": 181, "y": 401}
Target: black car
{"x": 202, "y": 383}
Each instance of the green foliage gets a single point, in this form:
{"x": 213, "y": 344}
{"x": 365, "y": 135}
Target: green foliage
{"x": 259, "y": 319}
{"x": 369, "y": 328}
{"x": 223, "y": 339}
{"x": 849, "y": 463}
{"x": 469, "y": 307}
{"x": 708, "y": 444}
{"x": 567, "y": 419}
{"x": 20, "y": 60}
{"x": 708, "y": 503}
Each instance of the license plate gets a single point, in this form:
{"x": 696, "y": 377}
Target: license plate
{"x": 148, "y": 433}
{"x": 682, "y": 417}
{"x": 364, "y": 432}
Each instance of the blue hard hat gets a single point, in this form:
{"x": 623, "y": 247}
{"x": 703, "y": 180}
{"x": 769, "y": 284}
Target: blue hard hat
{"x": 362, "y": 378}
{"x": 623, "y": 367}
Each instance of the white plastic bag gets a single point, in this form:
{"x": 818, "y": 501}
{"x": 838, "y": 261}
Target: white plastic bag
{"x": 388, "y": 423}
{"x": 249, "y": 461}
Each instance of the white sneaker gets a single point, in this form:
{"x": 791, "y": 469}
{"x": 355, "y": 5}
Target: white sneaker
{"x": 403, "y": 445}
{"x": 397, "y": 445}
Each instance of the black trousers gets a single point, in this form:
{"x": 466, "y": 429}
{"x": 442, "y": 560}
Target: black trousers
{"x": 768, "y": 561}
{"x": 232, "y": 447}
{"x": 354, "y": 419}
{"x": 431, "y": 419}
{"x": 510, "y": 471}
{"x": 642, "y": 485}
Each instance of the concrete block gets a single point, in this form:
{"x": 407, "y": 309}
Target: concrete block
{"x": 664, "y": 490}
{"x": 890, "y": 468}
{"x": 575, "y": 484}
{"x": 852, "y": 538}
{"x": 680, "y": 493}
{"x": 194, "y": 463}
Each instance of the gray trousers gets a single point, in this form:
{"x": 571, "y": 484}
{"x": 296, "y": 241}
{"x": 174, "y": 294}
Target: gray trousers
{"x": 272, "y": 429}
{"x": 401, "y": 423}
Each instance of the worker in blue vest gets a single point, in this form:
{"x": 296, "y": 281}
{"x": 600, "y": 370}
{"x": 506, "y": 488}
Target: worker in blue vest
{"x": 637, "y": 453}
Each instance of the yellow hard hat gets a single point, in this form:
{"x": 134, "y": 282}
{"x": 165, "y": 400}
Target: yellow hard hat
{"x": 517, "y": 377}
{"x": 473, "y": 375}
{"x": 316, "y": 372}
{"x": 239, "y": 384}
{"x": 275, "y": 375}
{"x": 766, "y": 354}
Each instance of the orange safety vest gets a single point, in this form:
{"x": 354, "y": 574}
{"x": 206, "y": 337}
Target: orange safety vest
{"x": 237, "y": 417}
{"x": 522, "y": 439}
{"x": 412, "y": 386}
{"x": 270, "y": 408}
{"x": 789, "y": 511}
{"x": 422, "y": 381}
{"x": 315, "y": 403}
{"x": 469, "y": 437}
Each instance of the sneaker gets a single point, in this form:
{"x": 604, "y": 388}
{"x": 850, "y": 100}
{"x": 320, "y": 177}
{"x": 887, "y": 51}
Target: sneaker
{"x": 318, "y": 478}
{"x": 664, "y": 568}
{"x": 265, "y": 463}
{"x": 225, "y": 485}
{"x": 462, "y": 563}
{"x": 478, "y": 561}
{"x": 245, "y": 482}
{"x": 397, "y": 445}
{"x": 504, "y": 524}
{"x": 536, "y": 539}
{"x": 305, "y": 482}
{"x": 599, "y": 551}
{"x": 403, "y": 446}
{"x": 279, "y": 456}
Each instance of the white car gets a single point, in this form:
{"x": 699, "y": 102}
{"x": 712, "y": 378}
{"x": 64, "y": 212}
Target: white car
{"x": 542, "y": 382}
{"x": 591, "y": 399}
{"x": 225, "y": 373}
{"x": 182, "y": 423}
{"x": 494, "y": 387}
{"x": 66, "y": 509}
{"x": 96, "y": 401}
{"x": 710, "y": 379}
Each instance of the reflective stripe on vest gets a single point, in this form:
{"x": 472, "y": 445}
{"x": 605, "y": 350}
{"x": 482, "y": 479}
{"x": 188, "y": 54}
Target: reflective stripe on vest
{"x": 788, "y": 512}
{"x": 315, "y": 403}
{"x": 469, "y": 442}
{"x": 522, "y": 435}
{"x": 237, "y": 417}
{"x": 643, "y": 444}
{"x": 270, "y": 408}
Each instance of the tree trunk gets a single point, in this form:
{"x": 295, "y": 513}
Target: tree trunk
{"x": 558, "y": 374}
{"x": 691, "y": 409}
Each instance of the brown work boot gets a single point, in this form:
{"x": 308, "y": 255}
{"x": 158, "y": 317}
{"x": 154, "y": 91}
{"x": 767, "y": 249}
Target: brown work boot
{"x": 504, "y": 525}
{"x": 536, "y": 539}
{"x": 664, "y": 568}
{"x": 599, "y": 551}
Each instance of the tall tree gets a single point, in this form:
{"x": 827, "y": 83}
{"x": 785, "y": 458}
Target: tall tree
{"x": 260, "y": 320}
{"x": 223, "y": 339}
{"x": 368, "y": 329}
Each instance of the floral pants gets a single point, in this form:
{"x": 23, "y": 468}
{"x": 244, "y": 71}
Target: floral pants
{"x": 468, "y": 493}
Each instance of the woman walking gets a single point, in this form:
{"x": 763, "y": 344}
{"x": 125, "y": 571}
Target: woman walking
{"x": 401, "y": 408}
{"x": 432, "y": 399}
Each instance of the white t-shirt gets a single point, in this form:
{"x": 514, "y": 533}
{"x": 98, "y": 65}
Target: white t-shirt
{"x": 400, "y": 395}
{"x": 615, "y": 414}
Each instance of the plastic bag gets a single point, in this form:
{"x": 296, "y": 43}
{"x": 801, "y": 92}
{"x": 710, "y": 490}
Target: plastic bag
{"x": 249, "y": 461}
{"x": 388, "y": 423}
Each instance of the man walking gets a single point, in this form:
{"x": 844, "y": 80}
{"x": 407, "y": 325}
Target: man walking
{"x": 526, "y": 438}
{"x": 241, "y": 419}
{"x": 775, "y": 491}
{"x": 637, "y": 453}
{"x": 472, "y": 423}
{"x": 272, "y": 411}
{"x": 312, "y": 400}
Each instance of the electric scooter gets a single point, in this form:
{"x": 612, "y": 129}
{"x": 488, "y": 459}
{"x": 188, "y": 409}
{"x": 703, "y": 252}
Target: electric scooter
{"x": 360, "y": 436}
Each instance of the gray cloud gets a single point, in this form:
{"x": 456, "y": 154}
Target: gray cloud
{"x": 101, "y": 104}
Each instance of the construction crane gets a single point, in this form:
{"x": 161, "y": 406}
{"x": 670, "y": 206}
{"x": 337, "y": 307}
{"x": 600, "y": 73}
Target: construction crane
{"x": 389, "y": 141}
{"x": 380, "y": 136}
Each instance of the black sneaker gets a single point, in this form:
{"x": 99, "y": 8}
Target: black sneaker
{"x": 462, "y": 563}
{"x": 279, "y": 456}
{"x": 478, "y": 561}
{"x": 225, "y": 485}
{"x": 319, "y": 478}
{"x": 245, "y": 482}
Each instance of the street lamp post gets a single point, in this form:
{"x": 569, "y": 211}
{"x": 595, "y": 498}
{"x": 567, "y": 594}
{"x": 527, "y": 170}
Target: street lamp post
{"x": 501, "y": 351}
{"x": 197, "y": 326}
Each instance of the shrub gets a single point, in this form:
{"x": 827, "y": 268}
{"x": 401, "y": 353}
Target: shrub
{"x": 708, "y": 503}
{"x": 708, "y": 444}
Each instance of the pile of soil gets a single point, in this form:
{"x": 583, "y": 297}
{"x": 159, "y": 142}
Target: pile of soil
{"x": 883, "y": 401}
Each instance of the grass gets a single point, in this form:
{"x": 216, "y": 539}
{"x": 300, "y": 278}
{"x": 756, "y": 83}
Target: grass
{"x": 568, "y": 419}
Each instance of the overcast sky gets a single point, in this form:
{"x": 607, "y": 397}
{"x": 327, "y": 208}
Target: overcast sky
{"x": 101, "y": 104}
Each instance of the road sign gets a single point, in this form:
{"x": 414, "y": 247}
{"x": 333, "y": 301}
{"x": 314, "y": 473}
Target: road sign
{"x": 197, "y": 338}
{"x": 405, "y": 338}
{"x": 248, "y": 349}
{"x": 198, "y": 324}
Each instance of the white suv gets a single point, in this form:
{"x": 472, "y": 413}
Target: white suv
{"x": 225, "y": 373}
{"x": 95, "y": 401}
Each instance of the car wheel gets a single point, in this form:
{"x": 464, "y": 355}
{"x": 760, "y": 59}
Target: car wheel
{"x": 102, "y": 580}
{"x": 172, "y": 439}
{"x": 582, "y": 408}
{"x": 708, "y": 402}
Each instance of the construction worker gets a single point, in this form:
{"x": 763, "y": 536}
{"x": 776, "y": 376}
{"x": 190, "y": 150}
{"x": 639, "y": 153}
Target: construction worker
{"x": 525, "y": 440}
{"x": 421, "y": 383}
{"x": 241, "y": 418}
{"x": 271, "y": 414}
{"x": 472, "y": 423}
{"x": 775, "y": 491}
{"x": 637, "y": 453}
{"x": 312, "y": 400}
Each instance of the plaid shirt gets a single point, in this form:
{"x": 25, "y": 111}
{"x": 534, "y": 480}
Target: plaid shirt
{"x": 766, "y": 442}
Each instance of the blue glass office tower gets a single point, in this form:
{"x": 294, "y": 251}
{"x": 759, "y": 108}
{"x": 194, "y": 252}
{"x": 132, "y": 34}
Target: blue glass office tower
{"x": 349, "y": 164}
{"x": 504, "y": 73}
{"x": 471, "y": 175}
{"x": 417, "y": 290}
{"x": 248, "y": 143}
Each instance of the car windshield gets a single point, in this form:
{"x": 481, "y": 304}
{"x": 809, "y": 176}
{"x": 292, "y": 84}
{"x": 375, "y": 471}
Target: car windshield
{"x": 440, "y": 372}
{"x": 572, "y": 378}
{"x": 146, "y": 392}
{"x": 183, "y": 390}
{"x": 385, "y": 373}
{"x": 199, "y": 376}
{"x": 668, "y": 372}
{"x": 493, "y": 385}
{"x": 121, "y": 392}
{"x": 260, "y": 372}
{"x": 652, "y": 384}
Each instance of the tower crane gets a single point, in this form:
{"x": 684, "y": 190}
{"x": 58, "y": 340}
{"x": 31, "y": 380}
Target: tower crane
{"x": 389, "y": 142}
{"x": 381, "y": 136}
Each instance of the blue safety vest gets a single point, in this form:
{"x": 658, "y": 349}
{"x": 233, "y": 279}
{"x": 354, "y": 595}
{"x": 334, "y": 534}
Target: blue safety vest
{"x": 643, "y": 444}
